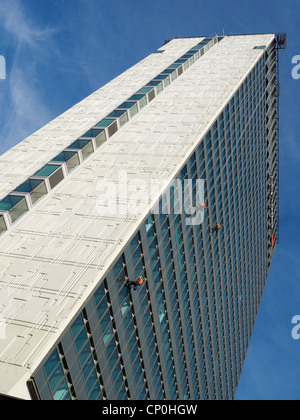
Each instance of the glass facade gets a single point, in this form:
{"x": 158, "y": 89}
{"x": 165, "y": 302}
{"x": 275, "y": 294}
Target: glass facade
{"x": 184, "y": 333}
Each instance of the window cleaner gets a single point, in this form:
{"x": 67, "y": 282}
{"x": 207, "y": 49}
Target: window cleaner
{"x": 134, "y": 284}
{"x": 216, "y": 228}
{"x": 201, "y": 206}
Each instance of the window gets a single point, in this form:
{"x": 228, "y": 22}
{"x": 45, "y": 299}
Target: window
{"x": 62, "y": 392}
{"x": 35, "y": 187}
{"x": 98, "y": 134}
{"x": 94, "y": 395}
{"x": 159, "y": 88}
{"x": 187, "y": 56}
{"x": 131, "y": 106}
{"x": 149, "y": 223}
{"x": 15, "y": 205}
{"x": 56, "y": 378}
{"x": 145, "y": 90}
{"x": 106, "y": 328}
{"x": 110, "y": 124}
{"x": 136, "y": 256}
{"x": 260, "y": 47}
{"x": 138, "y": 269}
{"x": 174, "y": 66}
{"x": 140, "y": 98}
{"x": 161, "y": 77}
{"x": 80, "y": 340}
{"x": 105, "y": 123}
{"x": 125, "y": 307}
{"x": 196, "y": 48}
{"x": 154, "y": 83}
{"x": 119, "y": 271}
{"x": 51, "y": 363}
{"x": 122, "y": 115}
{"x": 2, "y": 225}
{"x": 70, "y": 158}
{"x": 86, "y": 147}
{"x": 99, "y": 295}
{"x": 47, "y": 170}
{"x": 77, "y": 326}
{"x": 168, "y": 71}
{"x": 84, "y": 354}
{"x": 102, "y": 308}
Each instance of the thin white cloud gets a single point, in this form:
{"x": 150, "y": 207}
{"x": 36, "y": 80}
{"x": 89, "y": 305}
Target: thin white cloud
{"x": 23, "y": 108}
{"x": 27, "y": 111}
{"x": 23, "y": 29}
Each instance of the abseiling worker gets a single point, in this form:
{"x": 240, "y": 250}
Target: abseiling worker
{"x": 134, "y": 284}
{"x": 216, "y": 228}
{"x": 201, "y": 206}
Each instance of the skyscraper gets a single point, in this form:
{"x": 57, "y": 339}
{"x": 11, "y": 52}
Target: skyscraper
{"x": 167, "y": 174}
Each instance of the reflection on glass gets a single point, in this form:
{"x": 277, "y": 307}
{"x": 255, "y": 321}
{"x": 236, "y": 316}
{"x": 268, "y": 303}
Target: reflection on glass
{"x": 122, "y": 115}
{"x": 51, "y": 363}
{"x": 15, "y": 205}
{"x": 172, "y": 73}
{"x": 132, "y": 108}
{"x": 86, "y": 146}
{"x": 62, "y": 392}
{"x": 2, "y": 225}
{"x": 141, "y": 98}
{"x": 47, "y": 170}
{"x": 145, "y": 90}
{"x": 70, "y": 158}
{"x": 72, "y": 162}
{"x": 35, "y": 187}
{"x": 105, "y": 123}
{"x": 100, "y": 139}
{"x": 98, "y": 134}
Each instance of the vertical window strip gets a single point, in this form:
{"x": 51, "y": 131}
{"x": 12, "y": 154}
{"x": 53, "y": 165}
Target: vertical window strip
{"x": 217, "y": 336}
{"x": 118, "y": 369}
{"x": 110, "y": 338}
{"x": 176, "y": 313}
{"x": 102, "y": 394}
{"x": 86, "y": 356}
{"x": 164, "y": 320}
{"x": 193, "y": 168}
{"x": 206, "y": 246}
{"x": 131, "y": 330}
{"x": 238, "y": 271}
{"x": 149, "y": 311}
{"x": 208, "y": 316}
{"x": 186, "y": 293}
{"x": 58, "y": 376}
{"x": 195, "y": 304}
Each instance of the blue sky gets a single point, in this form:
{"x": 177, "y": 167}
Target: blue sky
{"x": 58, "y": 52}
